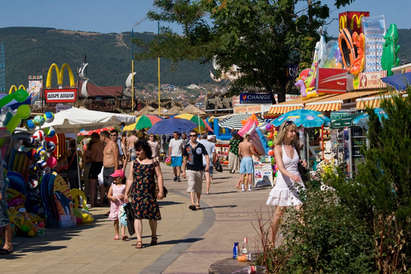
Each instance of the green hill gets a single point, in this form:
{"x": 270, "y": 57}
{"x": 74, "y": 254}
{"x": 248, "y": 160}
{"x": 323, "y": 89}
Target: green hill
{"x": 31, "y": 51}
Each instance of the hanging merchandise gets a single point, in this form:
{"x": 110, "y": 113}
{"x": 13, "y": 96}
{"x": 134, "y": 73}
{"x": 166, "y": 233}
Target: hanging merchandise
{"x": 374, "y": 31}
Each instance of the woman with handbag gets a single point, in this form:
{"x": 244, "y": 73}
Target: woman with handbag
{"x": 288, "y": 184}
{"x": 141, "y": 187}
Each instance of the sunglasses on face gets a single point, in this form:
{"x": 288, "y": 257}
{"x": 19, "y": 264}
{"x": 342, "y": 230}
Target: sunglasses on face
{"x": 193, "y": 135}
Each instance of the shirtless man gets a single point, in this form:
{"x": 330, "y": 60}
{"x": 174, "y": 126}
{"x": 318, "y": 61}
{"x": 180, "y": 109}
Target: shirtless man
{"x": 110, "y": 162}
{"x": 131, "y": 152}
{"x": 94, "y": 155}
{"x": 246, "y": 151}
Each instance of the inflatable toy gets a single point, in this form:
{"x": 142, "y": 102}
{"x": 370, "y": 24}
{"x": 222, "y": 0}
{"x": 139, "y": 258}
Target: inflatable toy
{"x": 50, "y": 146}
{"x": 16, "y": 182}
{"x": 20, "y": 96}
{"x": 23, "y": 112}
{"x": 352, "y": 49}
{"x": 61, "y": 185}
{"x": 48, "y": 117}
{"x": 249, "y": 127}
{"x": 263, "y": 140}
{"x": 30, "y": 125}
{"x": 50, "y": 132}
{"x": 82, "y": 215}
{"x": 52, "y": 162}
{"x": 390, "y": 50}
{"x": 38, "y": 136}
{"x": 39, "y": 120}
{"x": 168, "y": 161}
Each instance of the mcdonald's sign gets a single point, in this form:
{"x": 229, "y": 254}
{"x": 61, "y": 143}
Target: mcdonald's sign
{"x": 60, "y": 94}
{"x": 14, "y": 88}
{"x": 352, "y": 20}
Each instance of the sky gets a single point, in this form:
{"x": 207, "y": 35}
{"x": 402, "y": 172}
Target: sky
{"x": 107, "y": 16}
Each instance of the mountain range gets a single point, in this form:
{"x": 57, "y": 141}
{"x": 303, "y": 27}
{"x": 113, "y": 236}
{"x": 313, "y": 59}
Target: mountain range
{"x": 31, "y": 50}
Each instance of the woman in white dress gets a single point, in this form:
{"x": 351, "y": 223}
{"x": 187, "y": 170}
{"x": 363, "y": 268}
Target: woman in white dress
{"x": 289, "y": 182}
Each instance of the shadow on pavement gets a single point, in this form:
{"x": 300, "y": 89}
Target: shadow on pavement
{"x": 223, "y": 192}
{"x": 165, "y": 203}
{"x": 23, "y": 245}
{"x": 173, "y": 242}
{"x": 221, "y": 206}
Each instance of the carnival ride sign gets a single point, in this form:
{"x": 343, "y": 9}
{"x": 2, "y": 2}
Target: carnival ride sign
{"x": 372, "y": 80}
{"x": 332, "y": 80}
{"x": 67, "y": 95}
{"x": 352, "y": 20}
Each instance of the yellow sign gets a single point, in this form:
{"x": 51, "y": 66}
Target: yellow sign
{"x": 59, "y": 74}
{"x": 14, "y": 88}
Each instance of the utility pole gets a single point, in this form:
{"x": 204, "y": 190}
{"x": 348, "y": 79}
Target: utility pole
{"x": 132, "y": 72}
{"x": 158, "y": 73}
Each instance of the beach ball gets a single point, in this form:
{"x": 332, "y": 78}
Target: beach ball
{"x": 38, "y": 136}
{"x": 48, "y": 117}
{"x": 51, "y": 132}
{"x": 39, "y": 120}
{"x": 30, "y": 125}
{"x": 168, "y": 161}
{"x": 270, "y": 143}
{"x": 51, "y": 161}
{"x": 50, "y": 146}
{"x": 40, "y": 151}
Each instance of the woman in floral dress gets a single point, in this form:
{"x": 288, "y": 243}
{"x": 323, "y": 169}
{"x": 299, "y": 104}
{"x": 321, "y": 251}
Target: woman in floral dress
{"x": 141, "y": 187}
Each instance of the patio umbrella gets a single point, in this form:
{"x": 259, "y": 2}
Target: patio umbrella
{"x": 143, "y": 121}
{"x": 89, "y": 132}
{"x": 201, "y": 125}
{"x": 303, "y": 117}
{"x": 235, "y": 121}
{"x": 362, "y": 119}
{"x": 169, "y": 126}
{"x": 398, "y": 81}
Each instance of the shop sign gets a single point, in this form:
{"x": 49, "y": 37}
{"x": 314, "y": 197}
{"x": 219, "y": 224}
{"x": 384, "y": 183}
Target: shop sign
{"x": 247, "y": 109}
{"x": 352, "y": 20}
{"x": 332, "y": 80}
{"x": 369, "y": 80}
{"x": 256, "y": 98}
{"x": 66, "y": 95}
{"x": 340, "y": 119}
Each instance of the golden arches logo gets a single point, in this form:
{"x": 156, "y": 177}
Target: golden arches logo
{"x": 343, "y": 21}
{"x": 357, "y": 19}
{"x": 59, "y": 74}
{"x": 14, "y": 88}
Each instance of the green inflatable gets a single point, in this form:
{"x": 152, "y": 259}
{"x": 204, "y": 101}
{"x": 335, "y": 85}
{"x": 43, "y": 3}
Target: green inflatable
{"x": 390, "y": 51}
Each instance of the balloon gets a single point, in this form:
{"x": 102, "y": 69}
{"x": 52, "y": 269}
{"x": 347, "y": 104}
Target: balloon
{"x": 51, "y": 161}
{"x": 51, "y": 132}
{"x": 48, "y": 117}
{"x": 39, "y": 120}
{"x": 38, "y": 136}
{"x": 30, "y": 125}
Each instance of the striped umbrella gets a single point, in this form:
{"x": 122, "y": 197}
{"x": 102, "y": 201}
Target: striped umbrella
{"x": 201, "y": 125}
{"x": 143, "y": 121}
{"x": 235, "y": 121}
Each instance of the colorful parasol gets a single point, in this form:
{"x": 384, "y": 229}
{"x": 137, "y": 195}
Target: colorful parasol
{"x": 303, "y": 117}
{"x": 89, "y": 132}
{"x": 143, "y": 121}
{"x": 201, "y": 125}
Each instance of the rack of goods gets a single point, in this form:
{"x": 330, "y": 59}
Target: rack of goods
{"x": 222, "y": 152}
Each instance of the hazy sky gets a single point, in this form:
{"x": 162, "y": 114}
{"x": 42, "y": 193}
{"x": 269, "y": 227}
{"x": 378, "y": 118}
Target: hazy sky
{"x": 120, "y": 15}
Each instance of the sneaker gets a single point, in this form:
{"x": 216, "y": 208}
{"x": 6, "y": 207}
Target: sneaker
{"x": 178, "y": 179}
{"x": 242, "y": 188}
{"x": 175, "y": 179}
{"x": 249, "y": 188}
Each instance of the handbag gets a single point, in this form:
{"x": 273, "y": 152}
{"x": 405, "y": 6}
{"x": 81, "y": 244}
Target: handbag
{"x": 218, "y": 166}
{"x": 305, "y": 176}
{"x": 130, "y": 218}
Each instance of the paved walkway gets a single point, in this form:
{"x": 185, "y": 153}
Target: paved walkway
{"x": 189, "y": 241}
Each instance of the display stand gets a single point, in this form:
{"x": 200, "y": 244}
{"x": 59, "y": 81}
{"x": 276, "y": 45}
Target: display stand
{"x": 221, "y": 150}
{"x": 263, "y": 172}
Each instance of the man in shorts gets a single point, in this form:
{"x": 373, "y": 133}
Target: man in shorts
{"x": 110, "y": 162}
{"x": 193, "y": 154}
{"x": 95, "y": 155}
{"x": 246, "y": 151}
{"x": 175, "y": 151}
{"x": 210, "y": 147}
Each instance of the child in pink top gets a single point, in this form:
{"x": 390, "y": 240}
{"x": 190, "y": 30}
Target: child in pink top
{"x": 116, "y": 195}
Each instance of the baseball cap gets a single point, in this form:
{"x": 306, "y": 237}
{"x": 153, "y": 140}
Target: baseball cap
{"x": 118, "y": 173}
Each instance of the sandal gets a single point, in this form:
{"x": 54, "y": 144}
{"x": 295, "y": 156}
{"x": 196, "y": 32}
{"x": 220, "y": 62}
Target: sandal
{"x": 124, "y": 238}
{"x": 198, "y": 207}
{"x": 139, "y": 244}
{"x": 153, "y": 240}
{"x": 192, "y": 207}
{"x": 116, "y": 238}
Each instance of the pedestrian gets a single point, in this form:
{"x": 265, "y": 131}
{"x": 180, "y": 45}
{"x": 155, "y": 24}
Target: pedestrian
{"x": 116, "y": 139}
{"x": 246, "y": 151}
{"x": 288, "y": 184}
{"x": 131, "y": 153}
{"x": 184, "y": 138}
{"x": 233, "y": 157}
{"x": 94, "y": 153}
{"x": 155, "y": 146}
{"x": 4, "y": 216}
{"x": 72, "y": 171}
{"x": 110, "y": 163}
{"x": 193, "y": 160}
{"x": 175, "y": 151}
{"x": 210, "y": 147}
{"x": 117, "y": 197}
{"x": 124, "y": 149}
{"x": 141, "y": 187}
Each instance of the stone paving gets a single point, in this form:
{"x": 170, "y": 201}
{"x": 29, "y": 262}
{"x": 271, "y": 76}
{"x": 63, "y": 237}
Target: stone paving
{"x": 189, "y": 241}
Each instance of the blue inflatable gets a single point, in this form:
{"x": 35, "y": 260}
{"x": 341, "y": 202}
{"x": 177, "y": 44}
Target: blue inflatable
{"x": 218, "y": 132}
{"x": 17, "y": 182}
{"x": 263, "y": 140}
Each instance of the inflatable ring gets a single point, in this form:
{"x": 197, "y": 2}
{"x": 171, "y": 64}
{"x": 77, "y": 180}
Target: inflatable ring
{"x": 346, "y": 46}
{"x": 76, "y": 194}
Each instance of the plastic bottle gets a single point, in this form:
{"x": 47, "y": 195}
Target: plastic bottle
{"x": 244, "y": 250}
{"x": 235, "y": 250}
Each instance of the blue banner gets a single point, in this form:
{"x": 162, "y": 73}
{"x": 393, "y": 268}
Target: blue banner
{"x": 256, "y": 98}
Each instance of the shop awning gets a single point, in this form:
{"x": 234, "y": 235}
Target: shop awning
{"x": 283, "y": 108}
{"x": 335, "y": 102}
{"x": 372, "y": 101}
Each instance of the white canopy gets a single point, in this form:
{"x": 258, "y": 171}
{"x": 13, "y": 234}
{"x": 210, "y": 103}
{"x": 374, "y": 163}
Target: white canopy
{"x": 75, "y": 119}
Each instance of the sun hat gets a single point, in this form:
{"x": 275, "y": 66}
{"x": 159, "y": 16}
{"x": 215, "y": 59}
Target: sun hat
{"x": 118, "y": 173}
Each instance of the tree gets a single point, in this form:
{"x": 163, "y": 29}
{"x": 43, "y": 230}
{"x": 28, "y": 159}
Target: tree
{"x": 262, "y": 37}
